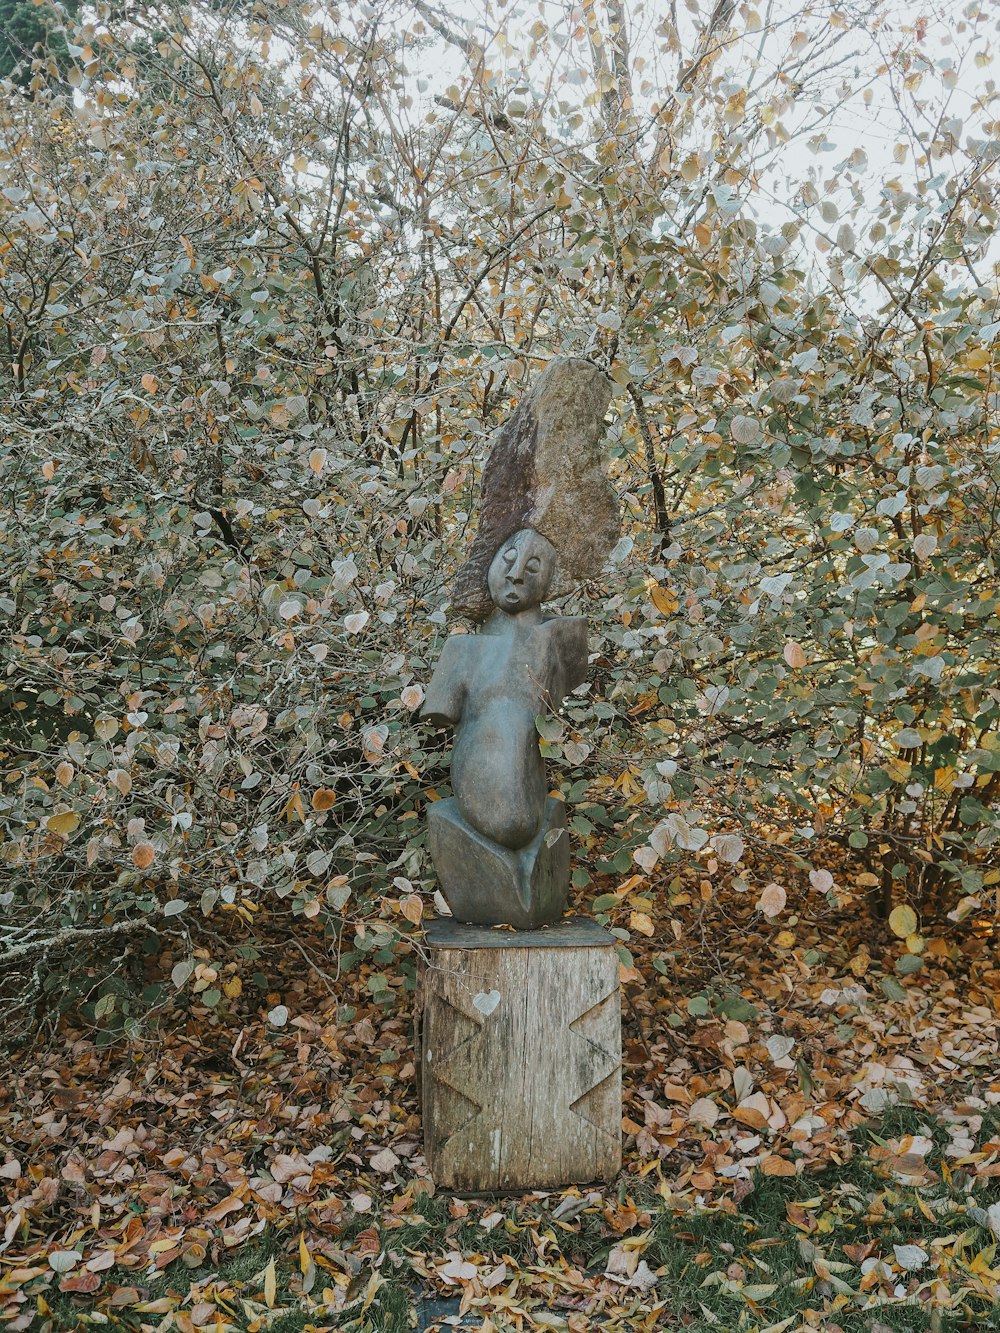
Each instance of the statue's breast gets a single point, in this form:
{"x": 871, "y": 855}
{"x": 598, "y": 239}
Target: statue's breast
{"x": 521, "y": 670}
{"x": 531, "y": 671}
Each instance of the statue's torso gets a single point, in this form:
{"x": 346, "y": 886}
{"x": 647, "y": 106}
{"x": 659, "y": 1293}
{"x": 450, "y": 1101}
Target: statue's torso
{"x": 493, "y": 685}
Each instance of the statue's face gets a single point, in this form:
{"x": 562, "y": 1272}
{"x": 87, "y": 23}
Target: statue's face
{"x": 521, "y": 571}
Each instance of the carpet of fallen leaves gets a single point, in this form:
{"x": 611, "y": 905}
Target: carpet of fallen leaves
{"x": 803, "y": 1151}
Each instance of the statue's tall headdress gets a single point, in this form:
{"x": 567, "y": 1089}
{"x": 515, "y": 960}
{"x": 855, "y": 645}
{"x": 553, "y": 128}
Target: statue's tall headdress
{"x": 546, "y": 472}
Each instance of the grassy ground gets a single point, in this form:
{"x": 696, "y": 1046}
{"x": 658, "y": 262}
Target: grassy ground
{"x": 787, "y": 1257}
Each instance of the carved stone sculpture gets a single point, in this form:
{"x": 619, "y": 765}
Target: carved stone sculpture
{"x": 500, "y": 845}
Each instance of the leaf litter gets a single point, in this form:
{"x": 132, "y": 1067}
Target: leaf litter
{"x": 804, "y": 1148}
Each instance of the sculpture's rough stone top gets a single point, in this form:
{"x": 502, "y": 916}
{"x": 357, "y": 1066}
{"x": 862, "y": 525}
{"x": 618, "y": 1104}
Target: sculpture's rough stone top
{"x": 546, "y": 473}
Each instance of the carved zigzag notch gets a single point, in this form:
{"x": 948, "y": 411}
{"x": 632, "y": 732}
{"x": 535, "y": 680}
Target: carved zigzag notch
{"x": 467, "y": 1031}
{"x": 589, "y": 1106}
{"x": 605, "y": 1064}
{"x": 592, "y": 1021}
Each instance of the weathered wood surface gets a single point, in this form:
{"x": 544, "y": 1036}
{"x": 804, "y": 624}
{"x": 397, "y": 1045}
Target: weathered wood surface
{"x": 521, "y": 1063}
{"x": 570, "y": 933}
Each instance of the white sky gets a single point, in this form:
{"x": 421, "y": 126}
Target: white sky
{"x": 859, "y": 97}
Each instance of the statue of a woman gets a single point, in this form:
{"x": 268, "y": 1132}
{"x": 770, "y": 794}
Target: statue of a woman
{"x": 500, "y": 845}
{"x": 548, "y": 519}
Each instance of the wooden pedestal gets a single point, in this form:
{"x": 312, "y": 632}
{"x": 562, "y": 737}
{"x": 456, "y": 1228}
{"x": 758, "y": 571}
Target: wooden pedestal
{"x": 521, "y": 1057}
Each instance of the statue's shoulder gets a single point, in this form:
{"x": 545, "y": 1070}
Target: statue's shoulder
{"x": 457, "y": 646}
{"x": 569, "y": 632}
{"x": 446, "y": 691}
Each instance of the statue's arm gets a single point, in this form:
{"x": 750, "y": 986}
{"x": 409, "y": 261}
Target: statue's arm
{"x": 575, "y": 652}
{"x": 445, "y": 699}
{"x": 566, "y": 648}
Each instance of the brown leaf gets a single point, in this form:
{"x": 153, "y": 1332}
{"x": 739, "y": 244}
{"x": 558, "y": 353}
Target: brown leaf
{"x": 772, "y": 900}
{"x": 143, "y": 855}
{"x": 368, "y": 1242}
{"x": 777, "y": 1166}
{"x": 749, "y": 1115}
{"x": 124, "y": 1296}
{"x": 230, "y": 1205}
{"x": 412, "y": 908}
{"x": 80, "y": 1282}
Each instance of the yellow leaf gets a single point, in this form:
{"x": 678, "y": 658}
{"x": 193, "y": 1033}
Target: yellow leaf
{"x": 903, "y": 921}
{"x": 294, "y": 809}
{"x": 233, "y": 988}
{"x": 664, "y": 601}
{"x": 374, "y": 1282}
{"x": 63, "y": 824}
{"x": 412, "y": 908}
{"x": 305, "y": 1258}
{"x": 149, "y": 382}
{"x": 944, "y": 778}
{"x": 324, "y": 798}
{"x": 270, "y": 1285}
{"x": 777, "y": 1166}
{"x": 978, "y": 358}
{"x": 64, "y": 773}
{"x": 641, "y": 922}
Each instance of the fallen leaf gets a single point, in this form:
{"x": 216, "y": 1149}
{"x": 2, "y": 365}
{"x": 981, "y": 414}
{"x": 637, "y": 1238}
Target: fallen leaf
{"x": 772, "y": 900}
{"x": 385, "y": 1161}
{"x": 61, "y": 1261}
{"x": 703, "y": 1112}
{"x": 457, "y": 1269}
{"x": 85, "y": 1283}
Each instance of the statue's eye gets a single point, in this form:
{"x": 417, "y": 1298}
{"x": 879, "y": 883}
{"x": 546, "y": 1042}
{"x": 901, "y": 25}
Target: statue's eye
{"x": 533, "y": 565}
{"x": 509, "y": 556}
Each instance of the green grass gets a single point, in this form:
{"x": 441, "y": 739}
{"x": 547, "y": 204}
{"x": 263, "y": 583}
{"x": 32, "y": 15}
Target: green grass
{"x": 390, "y": 1311}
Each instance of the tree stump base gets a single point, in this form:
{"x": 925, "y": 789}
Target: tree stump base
{"x": 521, "y": 1057}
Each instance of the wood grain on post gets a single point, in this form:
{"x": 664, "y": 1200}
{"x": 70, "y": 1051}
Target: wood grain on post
{"x": 521, "y": 1057}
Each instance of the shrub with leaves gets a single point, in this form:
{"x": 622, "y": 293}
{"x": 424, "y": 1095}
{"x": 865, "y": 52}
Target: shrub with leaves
{"x": 271, "y": 275}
